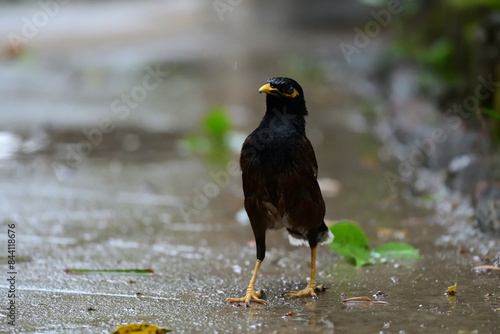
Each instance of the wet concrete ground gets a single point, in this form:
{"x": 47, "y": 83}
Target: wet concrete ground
{"x": 126, "y": 201}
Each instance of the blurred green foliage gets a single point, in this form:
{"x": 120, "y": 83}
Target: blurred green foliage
{"x": 217, "y": 124}
{"x": 494, "y": 114}
{"x": 494, "y": 4}
{"x": 212, "y": 141}
{"x": 453, "y": 42}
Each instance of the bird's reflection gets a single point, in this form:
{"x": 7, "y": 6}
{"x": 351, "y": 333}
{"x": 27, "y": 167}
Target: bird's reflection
{"x": 311, "y": 307}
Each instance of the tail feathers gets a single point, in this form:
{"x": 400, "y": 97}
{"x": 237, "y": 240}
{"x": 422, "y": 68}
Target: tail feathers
{"x": 325, "y": 236}
{"x": 296, "y": 240}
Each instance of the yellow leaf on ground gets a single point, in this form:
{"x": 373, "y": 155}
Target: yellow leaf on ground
{"x": 140, "y": 329}
{"x": 452, "y": 290}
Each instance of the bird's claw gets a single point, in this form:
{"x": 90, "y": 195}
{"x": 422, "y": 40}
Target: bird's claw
{"x": 251, "y": 295}
{"x": 310, "y": 291}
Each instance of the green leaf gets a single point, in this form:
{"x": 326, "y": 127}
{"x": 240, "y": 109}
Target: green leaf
{"x": 361, "y": 256}
{"x": 347, "y": 232}
{"x": 217, "y": 122}
{"x": 350, "y": 241}
{"x": 396, "y": 250}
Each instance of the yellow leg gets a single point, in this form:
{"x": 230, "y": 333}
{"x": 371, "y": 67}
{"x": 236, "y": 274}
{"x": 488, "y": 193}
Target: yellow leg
{"x": 312, "y": 281}
{"x": 251, "y": 294}
{"x": 311, "y": 287}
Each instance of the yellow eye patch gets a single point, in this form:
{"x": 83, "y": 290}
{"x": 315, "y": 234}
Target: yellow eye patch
{"x": 292, "y": 94}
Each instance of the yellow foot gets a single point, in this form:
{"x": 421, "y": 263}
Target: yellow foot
{"x": 250, "y": 295}
{"x": 310, "y": 291}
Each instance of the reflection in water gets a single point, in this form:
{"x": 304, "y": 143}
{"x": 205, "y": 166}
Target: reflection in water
{"x": 452, "y": 300}
{"x": 318, "y": 318}
{"x": 311, "y": 307}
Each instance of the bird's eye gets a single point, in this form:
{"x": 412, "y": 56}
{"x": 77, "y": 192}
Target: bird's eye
{"x": 289, "y": 90}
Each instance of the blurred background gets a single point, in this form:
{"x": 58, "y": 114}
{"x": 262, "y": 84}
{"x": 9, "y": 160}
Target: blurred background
{"x": 121, "y": 123}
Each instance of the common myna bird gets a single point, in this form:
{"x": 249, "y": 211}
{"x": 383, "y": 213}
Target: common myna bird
{"x": 279, "y": 171}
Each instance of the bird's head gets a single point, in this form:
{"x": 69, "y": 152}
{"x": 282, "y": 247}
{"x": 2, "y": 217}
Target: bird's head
{"x": 284, "y": 93}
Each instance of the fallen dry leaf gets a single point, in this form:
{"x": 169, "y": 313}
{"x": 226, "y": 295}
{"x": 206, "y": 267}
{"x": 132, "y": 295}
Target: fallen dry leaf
{"x": 361, "y": 300}
{"x": 482, "y": 259}
{"x": 462, "y": 251}
{"x": 486, "y": 267}
{"x": 14, "y": 51}
{"x": 138, "y": 272}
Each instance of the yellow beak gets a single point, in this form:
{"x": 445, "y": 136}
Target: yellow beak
{"x": 268, "y": 89}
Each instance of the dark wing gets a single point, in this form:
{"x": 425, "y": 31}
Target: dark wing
{"x": 281, "y": 187}
{"x": 257, "y": 183}
{"x": 303, "y": 201}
